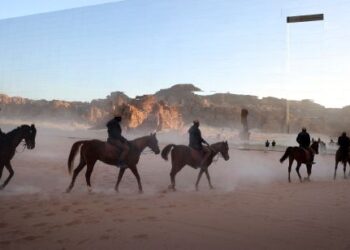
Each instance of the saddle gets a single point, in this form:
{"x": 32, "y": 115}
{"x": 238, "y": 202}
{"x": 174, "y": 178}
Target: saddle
{"x": 307, "y": 153}
{"x": 198, "y": 154}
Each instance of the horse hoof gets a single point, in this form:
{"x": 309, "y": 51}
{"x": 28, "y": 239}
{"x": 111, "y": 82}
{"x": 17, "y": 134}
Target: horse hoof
{"x": 2, "y": 187}
{"x": 140, "y": 192}
{"x": 68, "y": 190}
{"x": 211, "y": 187}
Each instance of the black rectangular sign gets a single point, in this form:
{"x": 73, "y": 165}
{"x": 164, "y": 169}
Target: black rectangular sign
{"x": 305, "y": 18}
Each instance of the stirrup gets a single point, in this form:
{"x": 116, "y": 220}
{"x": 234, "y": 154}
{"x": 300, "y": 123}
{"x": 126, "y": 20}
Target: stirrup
{"x": 121, "y": 164}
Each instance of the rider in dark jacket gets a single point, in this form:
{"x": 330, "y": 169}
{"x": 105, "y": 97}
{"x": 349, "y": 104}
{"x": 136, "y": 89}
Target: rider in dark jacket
{"x": 304, "y": 142}
{"x": 115, "y": 138}
{"x": 196, "y": 141}
{"x": 304, "y": 139}
{"x": 344, "y": 144}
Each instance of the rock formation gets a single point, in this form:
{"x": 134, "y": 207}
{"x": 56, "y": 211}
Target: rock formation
{"x": 177, "y": 106}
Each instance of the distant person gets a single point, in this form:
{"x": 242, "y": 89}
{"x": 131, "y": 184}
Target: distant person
{"x": 196, "y": 142}
{"x": 344, "y": 144}
{"x": 267, "y": 143}
{"x": 303, "y": 139}
{"x": 115, "y": 138}
{"x": 273, "y": 143}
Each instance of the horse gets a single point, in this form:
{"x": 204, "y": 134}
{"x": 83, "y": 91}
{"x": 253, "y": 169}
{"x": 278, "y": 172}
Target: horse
{"x": 301, "y": 156}
{"x": 8, "y": 145}
{"x": 341, "y": 157}
{"x": 182, "y": 155}
{"x": 93, "y": 150}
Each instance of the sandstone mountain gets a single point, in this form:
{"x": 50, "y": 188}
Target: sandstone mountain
{"x": 177, "y": 106}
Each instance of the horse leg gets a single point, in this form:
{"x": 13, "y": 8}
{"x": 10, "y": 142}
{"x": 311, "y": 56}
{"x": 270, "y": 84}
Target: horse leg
{"x": 75, "y": 174}
{"x": 90, "y": 167}
{"x": 174, "y": 170}
{"x": 208, "y": 177}
{"x": 1, "y": 169}
{"x": 120, "y": 176}
{"x": 9, "y": 168}
{"x": 344, "y": 169}
{"x": 308, "y": 168}
{"x": 297, "y": 169}
{"x": 335, "y": 169}
{"x": 290, "y": 168}
{"x": 199, "y": 177}
{"x": 136, "y": 173}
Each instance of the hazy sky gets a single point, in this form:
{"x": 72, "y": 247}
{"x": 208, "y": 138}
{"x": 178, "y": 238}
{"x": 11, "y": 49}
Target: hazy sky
{"x": 141, "y": 46}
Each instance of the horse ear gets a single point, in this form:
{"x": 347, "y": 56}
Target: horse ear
{"x": 32, "y": 126}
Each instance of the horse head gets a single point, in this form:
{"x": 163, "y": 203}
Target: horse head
{"x": 29, "y": 134}
{"x": 314, "y": 146}
{"x": 222, "y": 148}
{"x": 153, "y": 143}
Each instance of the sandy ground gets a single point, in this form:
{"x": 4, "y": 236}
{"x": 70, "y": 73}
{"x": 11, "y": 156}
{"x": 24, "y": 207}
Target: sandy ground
{"x": 252, "y": 206}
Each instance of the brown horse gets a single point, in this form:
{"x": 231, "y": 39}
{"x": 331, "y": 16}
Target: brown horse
{"x": 343, "y": 157}
{"x": 8, "y": 145}
{"x": 94, "y": 150}
{"x": 182, "y": 155}
{"x": 301, "y": 156}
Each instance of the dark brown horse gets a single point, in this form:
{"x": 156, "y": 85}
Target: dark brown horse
{"x": 94, "y": 150}
{"x": 301, "y": 156}
{"x": 341, "y": 156}
{"x": 182, "y": 155}
{"x": 8, "y": 145}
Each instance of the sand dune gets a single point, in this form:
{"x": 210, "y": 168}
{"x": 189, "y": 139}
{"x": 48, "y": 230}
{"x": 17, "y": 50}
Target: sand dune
{"x": 251, "y": 207}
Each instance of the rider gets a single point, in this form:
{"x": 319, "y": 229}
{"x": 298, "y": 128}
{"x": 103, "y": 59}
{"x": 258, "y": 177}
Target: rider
{"x": 196, "y": 141}
{"x": 115, "y": 138}
{"x": 344, "y": 144}
{"x": 304, "y": 142}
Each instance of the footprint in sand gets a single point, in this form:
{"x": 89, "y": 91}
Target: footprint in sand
{"x": 55, "y": 226}
{"x": 143, "y": 208}
{"x": 39, "y": 224}
{"x": 5, "y": 243}
{"x": 140, "y": 236}
{"x": 30, "y": 238}
{"x": 149, "y": 218}
{"x": 65, "y": 208}
{"x": 109, "y": 210}
{"x": 119, "y": 220}
{"x": 3, "y": 225}
{"x": 74, "y": 222}
{"x": 80, "y": 210}
{"x": 104, "y": 237}
{"x": 82, "y": 241}
{"x": 27, "y": 215}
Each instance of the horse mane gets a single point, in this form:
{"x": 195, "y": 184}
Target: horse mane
{"x": 139, "y": 138}
{"x": 15, "y": 130}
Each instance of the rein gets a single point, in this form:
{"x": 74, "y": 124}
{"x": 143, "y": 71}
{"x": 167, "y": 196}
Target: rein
{"x": 23, "y": 148}
{"x": 216, "y": 157}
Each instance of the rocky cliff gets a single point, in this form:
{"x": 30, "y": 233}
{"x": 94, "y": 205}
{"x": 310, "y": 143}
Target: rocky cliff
{"x": 174, "y": 107}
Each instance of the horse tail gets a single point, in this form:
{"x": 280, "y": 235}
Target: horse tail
{"x": 73, "y": 152}
{"x": 166, "y": 150}
{"x": 286, "y": 154}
